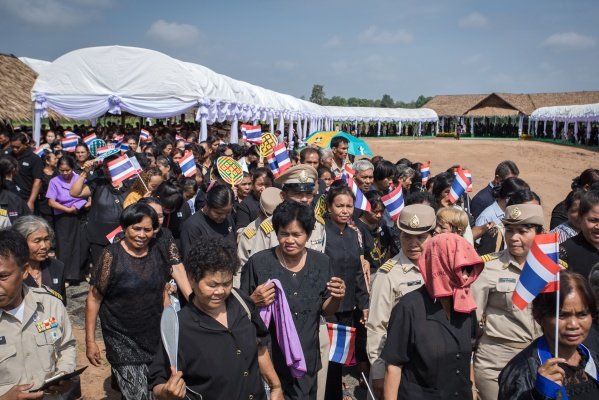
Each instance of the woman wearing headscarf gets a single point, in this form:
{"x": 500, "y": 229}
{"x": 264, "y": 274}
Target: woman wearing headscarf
{"x": 429, "y": 342}
{"x": 505, "y": 329}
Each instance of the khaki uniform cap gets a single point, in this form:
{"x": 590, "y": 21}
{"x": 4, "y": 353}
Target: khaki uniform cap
{"x": 269, "y": 200}
{"x": 300, "y": 178}
{"x": 416, "y": 219}
{"x": 523, "y": 214}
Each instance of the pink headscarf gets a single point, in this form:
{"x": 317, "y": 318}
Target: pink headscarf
{"x": 441, "y": 266}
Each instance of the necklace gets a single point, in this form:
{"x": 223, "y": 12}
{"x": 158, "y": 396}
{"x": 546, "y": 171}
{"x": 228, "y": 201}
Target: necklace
{"x": 284, "y": 261}
{"x": 37, "y": 276}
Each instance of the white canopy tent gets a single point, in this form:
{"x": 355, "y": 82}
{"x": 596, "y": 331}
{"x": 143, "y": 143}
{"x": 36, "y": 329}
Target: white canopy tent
{"x": 568, "y": 114}
{"x": 87, "y": 83}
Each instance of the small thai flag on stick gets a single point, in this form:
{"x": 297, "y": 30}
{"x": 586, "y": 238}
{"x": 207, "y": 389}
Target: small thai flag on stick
{"x": 540, "y": 272}
{"x": 144, "y": 135}
{"x": 69, "y": 143}
{"x": 121, "y": 169}
{"x": 89, "y": 139}
{"x": 252, "y": 133}
{"x": 469, "y": 176}
{"x": 459, "y": 186}
{"x": 282, "y": 157}
{"x": 425, "y": 172}
{"x": 39, "y": 152}
{"x": 124, "y": 147}
{"x": 188, "y": 165}
{"x": 343, "y": 344}
{"x": 113, "y": 234}
{"x": 361, "y": 201}
{"x": 70, "y": 134}
{"x": 394, "y": 202}
{"x": 272, "y": 164}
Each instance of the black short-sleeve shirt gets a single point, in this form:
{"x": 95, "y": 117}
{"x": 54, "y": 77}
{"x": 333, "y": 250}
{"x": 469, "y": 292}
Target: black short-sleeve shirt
{"x": 30, "y": 168}
{"x": 198, "y": 225}
{"x": 305, "y": 292}
{"x": 579, "y": 254}
{"x": 433, "y": 351}
{"x": 247, "y": 211}
{"x": 217, "y": 362}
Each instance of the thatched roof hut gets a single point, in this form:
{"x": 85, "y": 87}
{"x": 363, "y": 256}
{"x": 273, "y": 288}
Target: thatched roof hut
{"x": 16, "y": 81}
{"x": 505, "y": 104}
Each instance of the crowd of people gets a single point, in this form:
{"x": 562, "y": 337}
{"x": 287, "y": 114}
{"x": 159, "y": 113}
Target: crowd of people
{"x": 263, "y": 269}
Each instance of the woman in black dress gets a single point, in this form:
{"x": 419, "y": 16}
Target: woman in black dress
{"x": 127, "y": 292}
{"x": 48, "y": 172}
{"x": 429, "y": 341}
{"x": 42, "y": 270}
{"x": 248, "y": 210}
{"x": 535, "y": 373}
{"x": 310, "y": 288}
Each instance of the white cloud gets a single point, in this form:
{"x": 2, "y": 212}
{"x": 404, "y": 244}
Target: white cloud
{"x": 374, "y": 35}
{"x": 334, "y": 41}
{"x": 173, "y": 34}
{"x": 570, "y": 40}
{"x": 285, "y": 65}
{"x": 43, "y": 12}
{"x": 473, "y": 20}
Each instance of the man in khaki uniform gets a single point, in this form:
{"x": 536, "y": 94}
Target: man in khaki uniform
{"x": 506, "y": 329}
{"x": 269, "y": 200}
{"x": 36, "y": 341}
{"x": 395, "y": 278}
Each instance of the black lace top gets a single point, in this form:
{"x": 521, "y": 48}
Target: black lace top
{"x": 579, "y": 385}
{"x": 132, "y": 290}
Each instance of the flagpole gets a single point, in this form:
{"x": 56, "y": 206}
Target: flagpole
{"x": 368, "y": 386}
{"x": 557, "y": 308}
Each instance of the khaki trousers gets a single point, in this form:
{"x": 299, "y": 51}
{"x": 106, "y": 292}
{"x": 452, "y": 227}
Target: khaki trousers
{"x": 323, "y": 336}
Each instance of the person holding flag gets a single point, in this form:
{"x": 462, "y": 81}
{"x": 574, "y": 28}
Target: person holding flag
{"x": 506, "y": 330}
{"x": 542, "y": 371}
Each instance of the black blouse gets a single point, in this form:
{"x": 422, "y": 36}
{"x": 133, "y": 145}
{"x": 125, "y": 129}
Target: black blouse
{"x": 579, "y": 254}
{"x": 305, "y": 292}
{"x": 344, "y": 249}
{"x": 52, "y": 277}
{"x": 106, "y": 209}
{"x": 217, "y": 362}
{"x": 132, "y": 290}
{"x": 433, "y": 351}
{"x": 198, "y": 225}
{"x": 247, "y": 211}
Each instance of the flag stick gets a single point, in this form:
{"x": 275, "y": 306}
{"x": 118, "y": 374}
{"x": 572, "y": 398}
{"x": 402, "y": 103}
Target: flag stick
{"x": 368, "y": 386}
{"x": 557, "y": 308}
{"x": 142, "y": 181}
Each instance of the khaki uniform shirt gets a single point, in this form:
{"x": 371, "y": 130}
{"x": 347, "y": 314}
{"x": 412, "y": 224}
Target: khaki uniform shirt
{"x": 245, "y": 242}
{"x": 37, "y": 348}
{"x": 266, "y": 237}
{"x": 501, "y": 320}
{"x": 395, "y": 278}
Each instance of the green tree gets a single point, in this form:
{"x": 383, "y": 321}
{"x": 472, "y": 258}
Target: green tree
{"x": 337, "y": 101}
{"x": 317, "y": 95}
{"x": 387, "y": 101}
{"x": 353, "y": 102}
{"x": 421, "y": 100}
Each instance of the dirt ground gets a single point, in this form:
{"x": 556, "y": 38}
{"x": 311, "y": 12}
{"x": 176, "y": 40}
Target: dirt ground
{"x": 548, "y": 168}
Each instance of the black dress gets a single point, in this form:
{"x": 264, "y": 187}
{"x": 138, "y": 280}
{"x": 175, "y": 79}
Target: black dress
{"x": 579, "y": 254}
{"x": 218, "y": 363}
{"x": 132, "y": 289}
{"x": 43, "y": 207}
{"x": 247, "y": 211}
{"x": 198, "y": 225}
{"x": 306, "y": 292}
{"x": 52, "y": 277}
{"x": 433, "y": 351}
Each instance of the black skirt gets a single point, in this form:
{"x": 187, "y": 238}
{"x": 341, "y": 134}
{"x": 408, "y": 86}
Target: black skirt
{"x": 71, "y": 244}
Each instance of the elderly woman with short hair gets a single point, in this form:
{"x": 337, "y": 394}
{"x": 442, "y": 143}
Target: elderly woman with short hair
{"x": 42, "y": 270}
{"x": 364, "y": 174}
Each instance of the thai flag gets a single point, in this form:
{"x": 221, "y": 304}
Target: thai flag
{"x": 425, "y": 172}
{"x": 144, "y": 135}
{"x": 394, "y": 202}
{"x": 136, "y": 164}
{"x": 282, "y": 157}
{"x": 540, "y": 272}
{"x": 343, "y": 344}
{"x": 252, "y": 133}
{"x": 118, "y": 139}
{"x": 70, "y": 134}
{"x": 69, "y": 143}
{"x": 272, "y": 164}
{"x": 361, "y": 201}
{"x": 469, "y": 176}
{"x": 459, "y": 186}
{"x": 121, "y": 169}
{"x": 113, "y": 234}
{"x": 348, "y": 170}
{"x": 102, "y": 150}
{"x": 39, "y": 152}
{"x": 188, "y": 165}
{"x": 179, "y": 137}
{"x": 89, "y": 139}
{"x": 124, "y": 147}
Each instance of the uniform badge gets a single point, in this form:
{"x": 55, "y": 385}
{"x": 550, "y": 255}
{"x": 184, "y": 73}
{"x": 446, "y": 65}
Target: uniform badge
{"x": 303, "y": 176}
{"x": 46, "y": 325}
{"x": 414, "y": 222}
{"x": 515, "y": 213}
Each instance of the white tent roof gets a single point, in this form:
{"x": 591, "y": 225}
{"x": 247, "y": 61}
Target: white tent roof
{"x": 36, "y": 65}
{"x": 368, "y": 114}
{"x": 585, "y": 112}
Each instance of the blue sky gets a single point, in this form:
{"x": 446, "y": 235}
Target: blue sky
{"x": 403, "y": 48}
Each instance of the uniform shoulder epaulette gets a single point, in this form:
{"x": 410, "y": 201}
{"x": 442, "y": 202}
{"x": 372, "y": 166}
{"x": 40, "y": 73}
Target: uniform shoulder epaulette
{"x": 319, "y": 219}
{"x": 3, "y": 213}
{"x": 388, "y": 265}
{"x": 490, "y": 257}
{"x": 266, "y": 226}
{"x": 46, "y": 290}
{"x": 563, "y": 264}
{"x": 249, "y": 232}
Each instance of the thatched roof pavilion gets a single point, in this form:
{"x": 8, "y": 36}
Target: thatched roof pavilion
{"x": 16, "y": 81}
